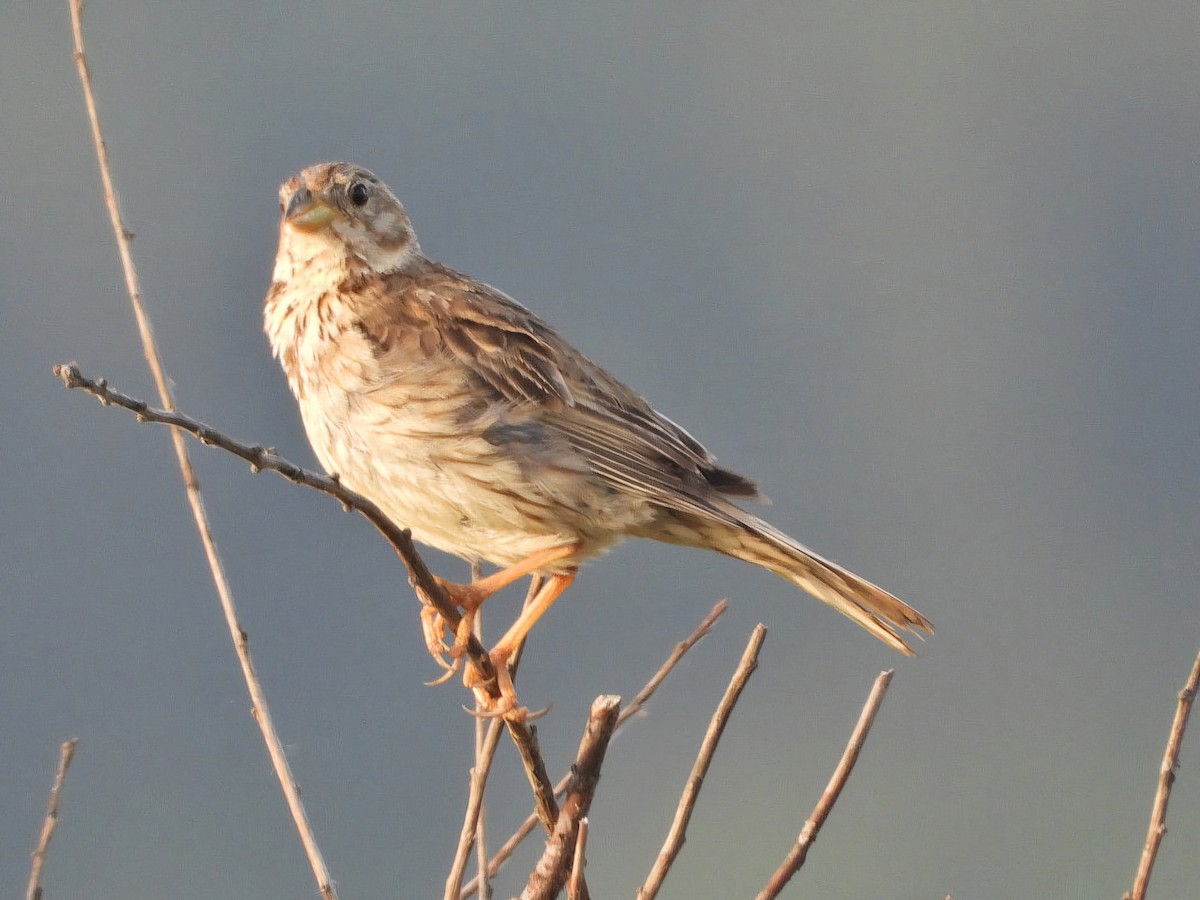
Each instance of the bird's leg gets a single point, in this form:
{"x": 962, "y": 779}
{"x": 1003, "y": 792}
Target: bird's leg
{"x": 470, "y": 597}
{"x": 511, "y": 643}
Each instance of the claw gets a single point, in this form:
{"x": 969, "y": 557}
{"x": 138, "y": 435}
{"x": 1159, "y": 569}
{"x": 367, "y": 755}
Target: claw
{"x": 451, "y": 671}
{"x": 504, "y": 705}
{"x": 517, "y": 714}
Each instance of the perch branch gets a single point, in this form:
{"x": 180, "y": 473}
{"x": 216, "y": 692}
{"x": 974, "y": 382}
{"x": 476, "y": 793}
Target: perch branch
{"x": 647, "y": 691}
{"x": 1166, "y": 778}
{"x": 691, "y": 791}
{"x": 264, "y": 458}
{"x": 191, "y": 486}
{"x": 426, "y": 586}
{"x": 795, "y": 858}
{"x": 551, "y": 872}
{"x": 65, "y": 754}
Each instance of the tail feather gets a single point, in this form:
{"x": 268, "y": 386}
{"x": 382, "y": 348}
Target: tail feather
{"x": 755, "y": 541}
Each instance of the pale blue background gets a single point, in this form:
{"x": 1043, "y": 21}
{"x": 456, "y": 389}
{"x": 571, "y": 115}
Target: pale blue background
{"x": 930, "y": 271}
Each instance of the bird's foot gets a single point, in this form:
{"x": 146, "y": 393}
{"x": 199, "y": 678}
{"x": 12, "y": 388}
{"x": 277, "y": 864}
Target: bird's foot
{"x": 434, "y": 627}
{"x": 498, "y": 698}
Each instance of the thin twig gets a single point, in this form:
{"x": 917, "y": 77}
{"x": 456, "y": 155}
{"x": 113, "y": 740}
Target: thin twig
{"x": 191, "y": 485}
{"x": 65, "y": 754}
{"x": 647, "y": 691}
{"x": 643, "y": 696}
{"x": 1166, "y": 778}
{"x": 691, "y": 791}
{"x": 575, "y": 882}
{"x": 525, "y": 737}
{"x": 795, "y": 859}
{"x": 482, "y": 850}
{"x": 484, "y": 755}
{"x": 487, "y": 740}
{"x": 552, "y": 870}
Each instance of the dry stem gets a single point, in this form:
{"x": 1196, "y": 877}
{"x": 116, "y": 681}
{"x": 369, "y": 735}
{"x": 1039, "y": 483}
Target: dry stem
{"x": 552, "y": 870}
{"x": 575, "y": 882}
{"x": 691, "y": 791}
{"x": 485, "y": 753}
{"x": 65, "y": 754}
{"x": 154, "y": 359}
{"x": 1166, "y": 778}
{"x": 795, "y": 858}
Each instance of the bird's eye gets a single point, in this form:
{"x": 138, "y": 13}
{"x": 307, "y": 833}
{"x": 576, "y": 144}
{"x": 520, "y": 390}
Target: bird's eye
{"x": 358, "y": 193}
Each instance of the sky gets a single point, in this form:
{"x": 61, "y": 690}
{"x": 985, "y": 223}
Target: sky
{"x": 927, "y": 271}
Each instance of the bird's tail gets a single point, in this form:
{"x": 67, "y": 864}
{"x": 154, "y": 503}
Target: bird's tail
{"x": 758, "y": 542}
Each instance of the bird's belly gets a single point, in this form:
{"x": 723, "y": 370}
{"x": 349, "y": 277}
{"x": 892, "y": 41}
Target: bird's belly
{"x": 457, "y": 491}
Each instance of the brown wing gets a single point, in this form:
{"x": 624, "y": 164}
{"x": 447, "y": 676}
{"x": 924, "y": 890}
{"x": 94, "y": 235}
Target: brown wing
{"x": 528, "y": 365}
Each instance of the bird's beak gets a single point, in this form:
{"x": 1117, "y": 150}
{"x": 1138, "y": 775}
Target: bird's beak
{"x": 306, "y": 213}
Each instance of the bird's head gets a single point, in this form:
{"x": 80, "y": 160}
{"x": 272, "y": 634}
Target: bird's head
{"x": 345, "y": 209}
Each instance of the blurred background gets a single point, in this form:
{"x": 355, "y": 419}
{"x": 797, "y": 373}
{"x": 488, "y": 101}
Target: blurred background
{"x": 929, "y": 271}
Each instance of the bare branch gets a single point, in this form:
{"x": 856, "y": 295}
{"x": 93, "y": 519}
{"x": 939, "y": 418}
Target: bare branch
{"x": 691, "y": 791}
{"x": 526, "y": 828}
{"x": 1166, "y": 778}
{"x": 487, "y": 740}
{"x": 483, "y": 762}
{"x": 672, "y": 660}
{"x": 154, "y": 359}
{"x": 808, "y": 834}
{"x": 525, "y": 737}
{"x": 552, "y": 870}
{"x": 575, "y": 882}
{"x": 483, "y": 758}
{"x": 65, "y": 754}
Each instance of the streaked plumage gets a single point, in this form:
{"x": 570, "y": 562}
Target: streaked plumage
{"x": 473, "y": 423}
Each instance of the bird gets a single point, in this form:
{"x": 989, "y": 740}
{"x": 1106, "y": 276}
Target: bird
{"x": 477, "y": 426}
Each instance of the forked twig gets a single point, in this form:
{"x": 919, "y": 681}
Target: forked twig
{"x": 691, "y": 791}
{"x": 1166, "y": 778}
{"x": 526, "y": 828}
{"x": 154, "y": 359}
{"x": 65, "y": 754}
{"x": 795, "y": 858}
{"x": 550, "y": 874}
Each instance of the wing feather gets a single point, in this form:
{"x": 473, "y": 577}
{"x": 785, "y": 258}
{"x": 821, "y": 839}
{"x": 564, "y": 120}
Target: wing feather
{"x": 527, "y": 366}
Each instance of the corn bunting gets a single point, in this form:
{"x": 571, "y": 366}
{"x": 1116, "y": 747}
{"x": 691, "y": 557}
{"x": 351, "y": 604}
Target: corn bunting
{"x": 473, "y": 423}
